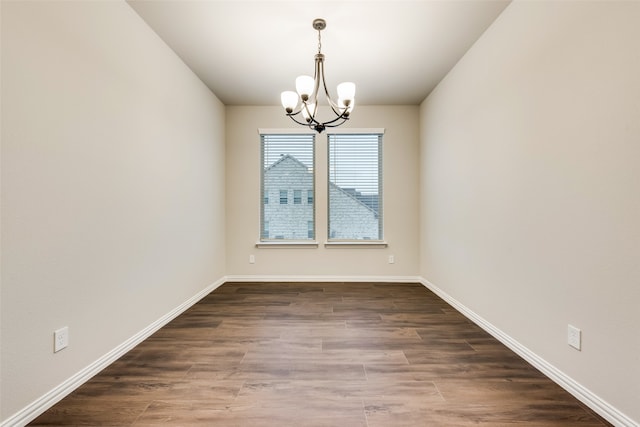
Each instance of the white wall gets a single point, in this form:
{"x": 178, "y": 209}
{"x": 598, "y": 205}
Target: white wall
{"x": 530, "y": 187}
{"x": 400, "y": 169}
{"x": 112, "y": 187}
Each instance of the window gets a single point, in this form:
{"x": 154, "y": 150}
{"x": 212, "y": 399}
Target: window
{"x": 309, "y": 197}
{"x": 287, "y": 168}
{"x": 355, "y": 186}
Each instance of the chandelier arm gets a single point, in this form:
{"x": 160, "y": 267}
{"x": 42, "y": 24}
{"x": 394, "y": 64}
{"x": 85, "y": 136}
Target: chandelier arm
{"x": 304, "y": 106}
{"x": 312, "y": 117}
{"x": 318, "y": 75}
{"x": 312, "y": 124}
{"x": 334, "y": 106}
{"x": 305, "y": 123}
{"x": 295, "y": 113}
{"x": 329, "y": 125}
{"x": 340, "y": 117}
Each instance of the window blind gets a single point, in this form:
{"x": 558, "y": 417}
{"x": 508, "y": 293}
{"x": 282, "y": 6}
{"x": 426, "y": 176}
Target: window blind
{"x": 287, "y": 162}
{"x": 355, "y": 186}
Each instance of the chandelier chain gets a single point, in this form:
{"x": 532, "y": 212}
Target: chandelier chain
{"x": 319, "y": 42}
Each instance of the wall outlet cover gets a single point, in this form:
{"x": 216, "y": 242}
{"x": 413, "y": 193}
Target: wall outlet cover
{"x": 574, "y": 337}
{"x": 60, "y": 339}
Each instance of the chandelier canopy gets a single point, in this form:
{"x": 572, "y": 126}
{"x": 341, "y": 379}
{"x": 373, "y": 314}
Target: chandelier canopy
{"x": 304, "y": 101}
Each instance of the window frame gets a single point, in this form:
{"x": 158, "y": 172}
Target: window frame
{"x": 276, "y": 241}
{"x": 370, "y": 243}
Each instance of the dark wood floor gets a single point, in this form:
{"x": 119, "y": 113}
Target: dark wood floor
{"x": 320, "y": 354}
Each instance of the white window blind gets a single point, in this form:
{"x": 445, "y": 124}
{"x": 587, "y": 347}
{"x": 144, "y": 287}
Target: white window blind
{"x": 355, "y": 186}
{"x": 287, "y": 173}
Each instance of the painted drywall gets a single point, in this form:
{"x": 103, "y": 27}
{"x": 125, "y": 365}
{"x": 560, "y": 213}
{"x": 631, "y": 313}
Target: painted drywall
{"x": 400, "y": 169}
{"x": 529, "y": 187}
{"x": 112, "y": 187}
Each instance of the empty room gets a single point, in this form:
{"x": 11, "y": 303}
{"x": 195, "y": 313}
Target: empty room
{"x": 320, "y": 213}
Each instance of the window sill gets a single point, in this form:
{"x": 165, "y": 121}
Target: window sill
{"x": 288, "y": 244}
{"x": 369, "y": 244}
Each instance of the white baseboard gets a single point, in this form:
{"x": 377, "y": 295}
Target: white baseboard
{"x": 601, "y": 407}
{"x": 39, "y": 406}
{"x": 319, "y": 278}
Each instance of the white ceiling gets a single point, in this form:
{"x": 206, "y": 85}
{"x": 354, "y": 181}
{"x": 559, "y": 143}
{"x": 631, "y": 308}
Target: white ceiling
{"x": 248, "y": 52}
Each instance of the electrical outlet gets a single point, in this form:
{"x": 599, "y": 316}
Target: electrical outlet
{"x": 574, "y": 337}
{"x": 60, "y": 339}
{"x": 252, "y": 259}
{"x": 392, "y": 259}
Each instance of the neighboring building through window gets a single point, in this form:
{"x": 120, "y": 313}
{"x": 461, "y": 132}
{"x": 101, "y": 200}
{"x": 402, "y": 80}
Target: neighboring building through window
{"x": 287, "y": 167}
{"x": 355, "y": 186}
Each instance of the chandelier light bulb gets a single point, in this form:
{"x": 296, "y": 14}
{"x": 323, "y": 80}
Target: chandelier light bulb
{"x": 346, "y": 91}
{"x": 289, "y": 100}
{"x": 346, "y": 106}
{"x": 304, "y": 86}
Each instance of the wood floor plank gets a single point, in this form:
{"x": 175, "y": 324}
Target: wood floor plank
{"x": 319, "y": 355}
{"x": 294, "y": 414}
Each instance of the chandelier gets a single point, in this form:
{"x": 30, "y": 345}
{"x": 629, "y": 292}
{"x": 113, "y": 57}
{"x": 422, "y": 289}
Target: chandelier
{"x": 304, "y": 102}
